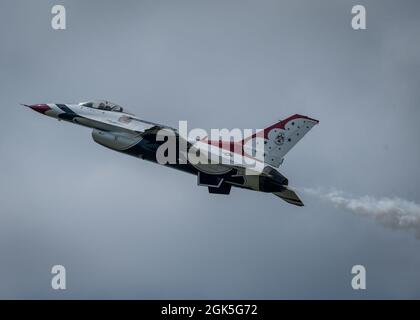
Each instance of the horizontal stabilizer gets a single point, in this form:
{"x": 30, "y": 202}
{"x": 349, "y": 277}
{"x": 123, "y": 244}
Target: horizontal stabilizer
{"x": 289, "y": 196}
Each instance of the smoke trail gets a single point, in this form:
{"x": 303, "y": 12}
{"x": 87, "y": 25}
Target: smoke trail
{"x": 394, "y": 213}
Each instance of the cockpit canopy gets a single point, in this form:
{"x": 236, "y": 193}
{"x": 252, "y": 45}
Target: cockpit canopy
{"x": 102, "y": 105}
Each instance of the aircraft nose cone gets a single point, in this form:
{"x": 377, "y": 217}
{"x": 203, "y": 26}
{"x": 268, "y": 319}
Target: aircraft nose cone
{"x": 41, "y": 108}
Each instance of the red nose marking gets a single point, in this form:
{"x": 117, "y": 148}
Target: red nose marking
{"x": 41, "y": 108}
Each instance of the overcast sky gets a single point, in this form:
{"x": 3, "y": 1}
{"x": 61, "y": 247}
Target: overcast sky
{"x": 125, "y": 228}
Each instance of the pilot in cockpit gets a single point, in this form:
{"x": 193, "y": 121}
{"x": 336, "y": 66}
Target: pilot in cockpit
{"x": 103, "y": 105}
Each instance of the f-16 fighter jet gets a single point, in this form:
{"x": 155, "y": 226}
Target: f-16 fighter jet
{"x": 249, "y": 162}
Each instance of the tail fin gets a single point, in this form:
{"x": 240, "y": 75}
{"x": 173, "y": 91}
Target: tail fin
{"x": 280, "y": 138}
{"x": 289, "y": 196}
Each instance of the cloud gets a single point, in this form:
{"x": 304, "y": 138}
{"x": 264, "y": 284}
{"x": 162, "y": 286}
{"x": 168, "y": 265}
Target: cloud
{"x": 395, "y": 213}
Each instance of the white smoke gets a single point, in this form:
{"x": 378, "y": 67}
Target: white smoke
{"x": 394, "y": 213}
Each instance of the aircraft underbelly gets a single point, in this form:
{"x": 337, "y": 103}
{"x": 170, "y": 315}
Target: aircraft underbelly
{"x": 214, "y": 169}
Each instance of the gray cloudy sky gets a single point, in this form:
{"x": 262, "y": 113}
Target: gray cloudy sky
{"x": 124, "y": 228}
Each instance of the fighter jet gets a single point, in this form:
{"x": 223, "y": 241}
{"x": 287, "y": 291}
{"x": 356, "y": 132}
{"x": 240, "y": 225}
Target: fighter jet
{"x": 119, "y": 130}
